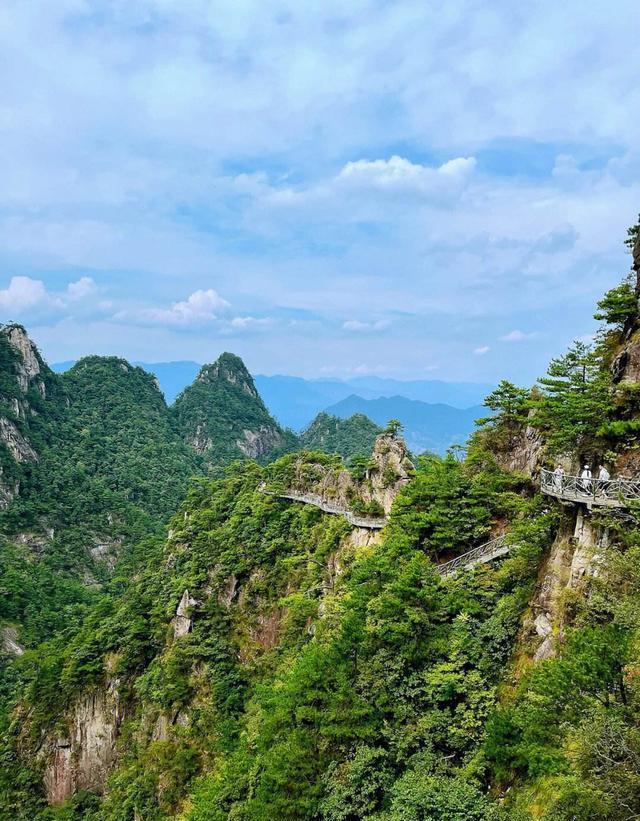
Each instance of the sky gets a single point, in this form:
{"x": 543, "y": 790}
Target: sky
{"x": 410, "y": 189}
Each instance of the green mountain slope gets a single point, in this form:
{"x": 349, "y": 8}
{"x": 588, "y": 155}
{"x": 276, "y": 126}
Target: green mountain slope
{"x": 272, "y": 661}
{"x": 348, "y": 437}
{"x": 92, "y": 465}
{"x": 223, "y": 418}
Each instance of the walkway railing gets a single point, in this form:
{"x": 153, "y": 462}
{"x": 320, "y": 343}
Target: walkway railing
{"x": 479, "y": 555}
{"x": 602, "y": 492}
{"x": 326, "y": 505}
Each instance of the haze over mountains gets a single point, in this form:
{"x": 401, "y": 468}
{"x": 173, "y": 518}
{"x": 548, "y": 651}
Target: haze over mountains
{"x": 434, "y": 413}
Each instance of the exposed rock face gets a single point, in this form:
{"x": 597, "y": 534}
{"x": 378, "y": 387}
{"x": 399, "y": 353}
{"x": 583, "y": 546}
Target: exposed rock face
{"x": 257, "y": 443}
{"x": 626, "y": 366}
{"x": 9, "y": 641}
{"x": 571, "y": 562}
{"x": 29, "y": 366}
{"x": 524, "y": 453}
{"x": 17, "y": 445}
{"x": 232, "y": 370}
{"x": 229, "y": 592}
{"x": 182, "y": 621}
{"x": 82, "y": 757}
{"x": 389, "y": 471}
{"x": 105, "y": 551}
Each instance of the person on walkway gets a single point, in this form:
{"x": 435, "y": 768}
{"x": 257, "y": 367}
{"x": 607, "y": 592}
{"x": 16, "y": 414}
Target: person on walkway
{"x": 558, "y": 476}
{"x": 585, "y": 477}
{"x": 603, "y": 480}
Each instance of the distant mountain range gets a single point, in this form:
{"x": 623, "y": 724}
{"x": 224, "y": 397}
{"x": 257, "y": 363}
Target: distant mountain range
{"x": 433, "y": 427}
{"x": 295, "y": 401}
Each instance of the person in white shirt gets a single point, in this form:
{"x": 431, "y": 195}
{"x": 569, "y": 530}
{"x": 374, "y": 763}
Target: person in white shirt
{"x": 558, "y": 476}
{"x": 603, "y": 480}
{"x": 586, "y": 479}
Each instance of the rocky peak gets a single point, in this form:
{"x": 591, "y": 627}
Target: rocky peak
{"x": 222, "y": 416}
{"x": 390, "y": 469}
{"x": 28, "y": 366}
{"x": 232, "y": 369}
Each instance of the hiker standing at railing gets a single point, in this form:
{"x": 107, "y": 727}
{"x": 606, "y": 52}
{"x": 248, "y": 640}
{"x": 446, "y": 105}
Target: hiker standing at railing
{"x": 585, "y": 478}
{"x": 603, "y": 480}
{"x": 558, "y": 477}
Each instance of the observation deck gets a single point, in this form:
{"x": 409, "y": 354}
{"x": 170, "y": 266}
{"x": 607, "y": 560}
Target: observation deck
{"x": 591, "y": 492}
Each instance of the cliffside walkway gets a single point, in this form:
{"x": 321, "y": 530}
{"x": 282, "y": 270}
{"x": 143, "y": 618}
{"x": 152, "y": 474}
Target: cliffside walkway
{"x": 479, "y": 555}
{"x": 599, "y": 492}
{"x": 482, "y": 554}
{"x": 368, "y": 522}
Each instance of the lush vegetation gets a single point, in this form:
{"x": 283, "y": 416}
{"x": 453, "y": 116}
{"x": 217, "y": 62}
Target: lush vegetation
{"x": 306, "y": 692}
{"x": 214, "y": 412}
{"x": 349, "y": 437}
{"x": 325, "y": 675}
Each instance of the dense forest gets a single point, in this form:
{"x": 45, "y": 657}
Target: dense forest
{"x": 268, "y": 660}
{"x": 349, "y": 437}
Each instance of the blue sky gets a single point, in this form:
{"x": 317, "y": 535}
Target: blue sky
{"x": 401, "y": 188}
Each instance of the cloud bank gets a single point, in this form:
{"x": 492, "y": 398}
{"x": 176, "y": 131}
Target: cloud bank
{"x": 380, "y": 186}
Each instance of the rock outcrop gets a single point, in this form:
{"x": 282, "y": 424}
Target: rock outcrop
{"x": 15, "y": 442}
{"x": 9, "y": 641}
{"x": 28, "y": 365}
{"x": 222, "y": 417}
{"x": 182, "y": 620}
{"x": 389, "y": 469}
{"x": 257, "y": 443}
{"x": 572, "y": 561}
{"x": 80, "y": 758}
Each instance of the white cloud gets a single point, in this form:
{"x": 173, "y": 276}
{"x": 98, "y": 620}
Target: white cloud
{"x": 22, "y": 293}
{"x": 200, "y": 307}
{"x": 518, "y": 336}
{"x": 81, "y": 289}
{"x": 244, "y": 322}
{"x": 365, "y": 327}
{"x": 399, "y": 175}
{"x": 482, "y": 350}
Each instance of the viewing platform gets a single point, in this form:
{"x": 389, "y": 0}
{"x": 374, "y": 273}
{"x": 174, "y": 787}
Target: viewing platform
{"x": 591, "y": 492}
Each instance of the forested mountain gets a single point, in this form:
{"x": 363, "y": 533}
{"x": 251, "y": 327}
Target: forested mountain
{"x": 426, "y": 427}
{"x": 91, "y": 466}
{"x": 295, "y": 402}
{"x": 222, "y": 416}
{"x": 293, "y": 649}
{"x": 348, "y": 437}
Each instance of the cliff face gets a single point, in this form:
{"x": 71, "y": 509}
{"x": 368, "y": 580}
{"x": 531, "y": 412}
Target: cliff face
{"x": 373, "y": 492}
{"x": 626, "y": 364}
{"x": 222, "y": 417}
{"x": 572, "y": 561}
{"x": 23, "y": 407}
{"x": 81, "y": 757}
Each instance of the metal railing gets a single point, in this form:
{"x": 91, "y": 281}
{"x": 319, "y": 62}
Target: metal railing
{"x": 479, "y": 555}
{"x": 603, "y": 492}
{"x": 326, "y": 505}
